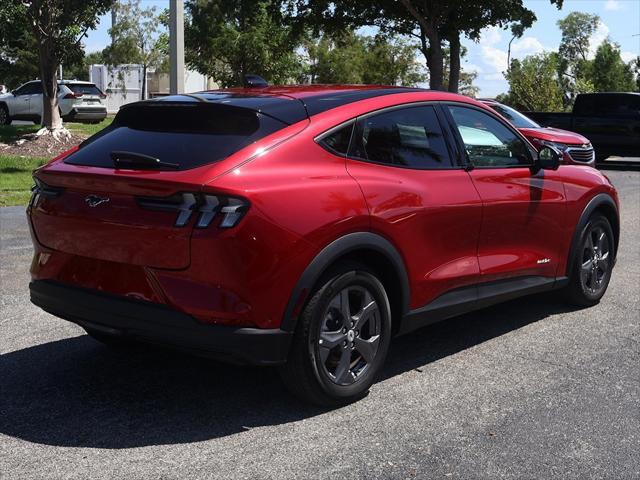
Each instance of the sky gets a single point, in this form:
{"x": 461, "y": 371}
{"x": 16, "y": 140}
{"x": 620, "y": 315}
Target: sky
{"x": 619, "y": 20}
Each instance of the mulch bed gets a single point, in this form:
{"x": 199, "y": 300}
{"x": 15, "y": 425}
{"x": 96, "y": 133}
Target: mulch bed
{"x": 46, "y": 146}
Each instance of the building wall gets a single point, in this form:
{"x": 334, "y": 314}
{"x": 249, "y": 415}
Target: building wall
{"x": 123, "y": 83}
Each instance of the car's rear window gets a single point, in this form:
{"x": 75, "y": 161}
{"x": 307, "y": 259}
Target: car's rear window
{"x": 186, "y": 134}
{"x": 84, "y": 89}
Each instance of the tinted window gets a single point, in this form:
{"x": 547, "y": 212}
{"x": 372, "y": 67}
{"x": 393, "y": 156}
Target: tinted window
{"x": 338, "y": 141}
{"x": 29, "y": 88}
{"x": 488, "y": 142}
{"x": 187, "y": 134}
{"x": 408, "y": 137}
{"x": 516, "y": 119}
{"x": 84, "y": 89}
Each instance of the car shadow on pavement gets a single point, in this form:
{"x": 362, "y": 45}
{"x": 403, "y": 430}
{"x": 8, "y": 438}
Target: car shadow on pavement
{"x": 77, "y": 393}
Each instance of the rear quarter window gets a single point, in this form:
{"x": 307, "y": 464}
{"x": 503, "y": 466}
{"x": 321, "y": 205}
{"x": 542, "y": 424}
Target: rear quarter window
{"x": 189, "y": 135}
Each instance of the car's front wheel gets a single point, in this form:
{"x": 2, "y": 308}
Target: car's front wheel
{"x": 341, "y": 339}
{"x": 593, "y": 263}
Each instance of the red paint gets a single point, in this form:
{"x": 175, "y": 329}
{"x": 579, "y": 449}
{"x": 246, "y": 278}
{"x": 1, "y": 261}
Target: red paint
{"x": 451, "y": 227}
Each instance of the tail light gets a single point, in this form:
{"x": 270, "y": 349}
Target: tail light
{"x": 229, "y": 210}
{"x": 41, "y": 189}
{"x": 72, "y": 95}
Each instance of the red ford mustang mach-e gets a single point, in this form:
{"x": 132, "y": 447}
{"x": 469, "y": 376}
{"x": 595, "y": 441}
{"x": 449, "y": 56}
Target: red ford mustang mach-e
{"x": 304, "y": 227}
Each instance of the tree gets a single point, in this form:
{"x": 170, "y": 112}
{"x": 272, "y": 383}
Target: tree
{"x": 58, "y": 27}
{"x": 533, "y": 83}
{"x": 610, "y": 73}
{"x": 135, "y": 37}
{"x": 80, "y": 70}
{"x": 465, "y": 79}
{"x": 351, "y": 58}
{"x": 573, "y": 62}
{"x": 18, "y": 48}
{"x": 227, "y": 39}
{"x": 434, "y": 23}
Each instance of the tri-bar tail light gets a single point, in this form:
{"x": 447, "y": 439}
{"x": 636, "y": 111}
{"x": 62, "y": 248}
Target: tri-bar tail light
{"x": 206, "y": 206}
{"x": 41, "y": 189}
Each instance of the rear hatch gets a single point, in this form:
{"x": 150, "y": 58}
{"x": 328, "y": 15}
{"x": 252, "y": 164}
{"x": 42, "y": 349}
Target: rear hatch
{"x": 128, "y": 193}
{"x": 86, "y": 94}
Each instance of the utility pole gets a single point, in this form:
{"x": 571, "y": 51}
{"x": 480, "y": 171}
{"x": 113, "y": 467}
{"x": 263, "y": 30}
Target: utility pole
{"x": 176, "y": 46}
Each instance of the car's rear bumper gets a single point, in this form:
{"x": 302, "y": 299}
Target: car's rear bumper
{"x": 88, "y": 114}
{"x": 160, "y": 324}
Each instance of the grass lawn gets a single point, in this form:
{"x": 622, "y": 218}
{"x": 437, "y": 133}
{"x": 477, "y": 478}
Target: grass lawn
{"x": 88, "y": 129}
{"x": 15, "y": 171}
{"x": 9, "y": 133}
{"x": 15, "y": 178}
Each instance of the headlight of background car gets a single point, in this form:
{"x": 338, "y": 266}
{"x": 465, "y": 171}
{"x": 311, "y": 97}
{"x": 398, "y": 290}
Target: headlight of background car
{"x": 559, "y": 146}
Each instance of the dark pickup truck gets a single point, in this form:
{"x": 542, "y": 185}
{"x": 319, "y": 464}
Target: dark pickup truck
{"x": 610, "y": 120}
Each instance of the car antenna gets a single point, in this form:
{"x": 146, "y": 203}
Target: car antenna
{"x": 254, "y": 81}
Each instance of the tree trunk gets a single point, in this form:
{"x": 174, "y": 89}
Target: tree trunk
{"x": 454, "y": 62}
{"x": 434, "y": 63}
{"x": 48, "y": 74}
{"x": 434, "y": 58}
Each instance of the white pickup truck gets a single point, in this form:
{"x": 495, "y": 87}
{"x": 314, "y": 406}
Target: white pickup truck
{"x": 78, "y": 102}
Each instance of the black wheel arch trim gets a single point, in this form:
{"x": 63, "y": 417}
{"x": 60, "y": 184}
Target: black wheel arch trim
{"x": 601, "y": 199}
{"x": 328, "y": 255}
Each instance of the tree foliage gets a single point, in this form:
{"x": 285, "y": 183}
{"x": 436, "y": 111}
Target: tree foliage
{"x": 227, "y": 39}
{"x": 136, "y": 37}
{"x": 57, "y": 26}
{"x": 573, "y": 52}
{"x": 533, "y": 83}
{"x": 351, "y": 58}
{"x": 609, "y": 72}
{"x": 435, "y": 23}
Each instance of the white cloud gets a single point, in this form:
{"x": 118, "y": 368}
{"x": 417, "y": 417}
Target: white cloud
{"x": 612, "y": 5}
{"x": 599, "y": 36}
{"x": 527, "y": 46}
{"x": 628, "y": 56}
{"x": 490, "y": 36}
{"x": 472, "y": 67}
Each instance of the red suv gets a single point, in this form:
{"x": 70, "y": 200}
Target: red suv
{"x": 304, "y": 227}
{"x": 575, "y": 148}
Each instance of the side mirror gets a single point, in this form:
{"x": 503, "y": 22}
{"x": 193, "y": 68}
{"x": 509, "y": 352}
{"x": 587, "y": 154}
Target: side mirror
{"x": 548, "y": 159}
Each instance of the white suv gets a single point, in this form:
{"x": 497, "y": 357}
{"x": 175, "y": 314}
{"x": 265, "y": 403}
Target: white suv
{"x": 78, "y": 102}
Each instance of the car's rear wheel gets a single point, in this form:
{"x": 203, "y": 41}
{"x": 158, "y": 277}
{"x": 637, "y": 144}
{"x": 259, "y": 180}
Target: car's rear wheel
{"x": 5, "y": 119}
{"x": 593, "y": 263}
{"x": 341, "y": 339}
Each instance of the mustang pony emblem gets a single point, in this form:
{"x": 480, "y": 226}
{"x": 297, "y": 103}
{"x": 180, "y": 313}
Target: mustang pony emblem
{"x": 94, "y": 200}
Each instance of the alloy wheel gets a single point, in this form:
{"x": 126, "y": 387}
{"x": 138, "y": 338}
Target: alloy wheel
{"x": 349, "y": 335}
{"x": 596, "y": 260}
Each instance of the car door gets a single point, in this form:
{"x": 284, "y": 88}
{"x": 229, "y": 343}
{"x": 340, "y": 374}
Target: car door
{"x": 523, "y": 212}
{"x": 419, "y": 196}
{"x": 20, "y": 103}
{"x": 35, "y": 100}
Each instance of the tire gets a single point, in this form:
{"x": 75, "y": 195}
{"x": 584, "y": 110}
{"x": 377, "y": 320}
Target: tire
{"x": 5, "y": 119}
{"x": 334, "y": 356}
{"x": 592, "y": 263}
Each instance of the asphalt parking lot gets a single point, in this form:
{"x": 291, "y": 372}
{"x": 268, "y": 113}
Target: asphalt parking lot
{"x": 528, "y": 389}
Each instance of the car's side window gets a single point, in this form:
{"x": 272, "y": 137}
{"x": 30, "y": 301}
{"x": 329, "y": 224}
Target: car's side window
{"x": 338, "y": 141}
{"x": 488, "y": 142}
{"x": 23, "y": 90}
{"x": 407, "y": 137}
{"x": 36, "y": 88}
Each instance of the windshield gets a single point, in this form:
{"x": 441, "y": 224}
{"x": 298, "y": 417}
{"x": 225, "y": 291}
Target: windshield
{"x": 517, "y": 119}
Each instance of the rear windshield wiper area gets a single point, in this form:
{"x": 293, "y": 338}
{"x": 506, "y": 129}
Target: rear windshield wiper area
{"x": 139, "y": 161}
